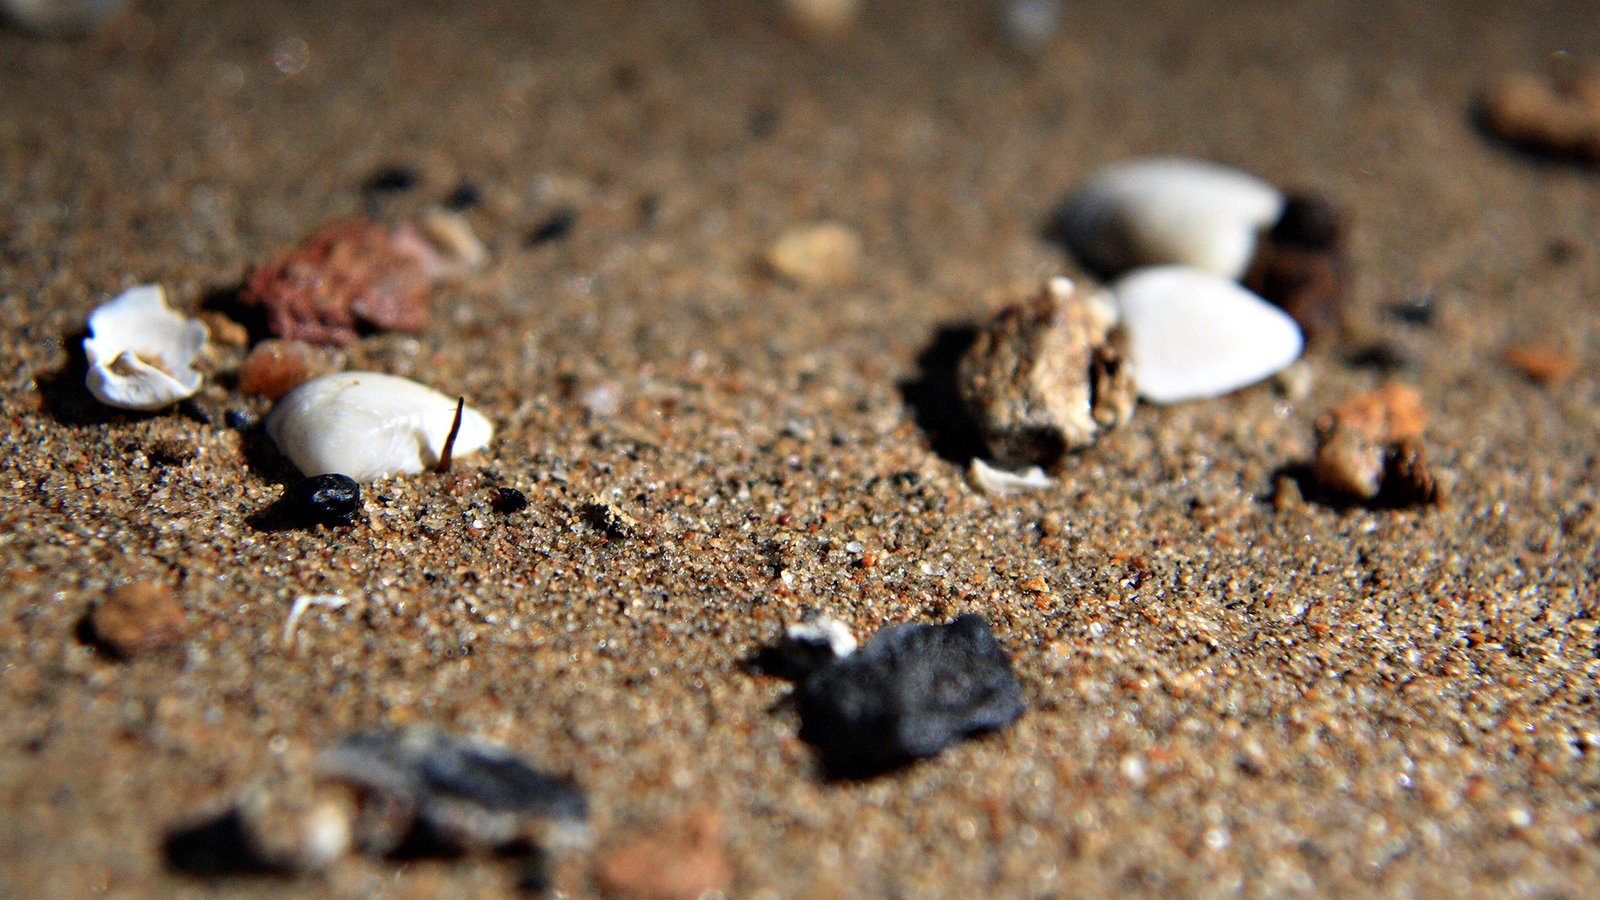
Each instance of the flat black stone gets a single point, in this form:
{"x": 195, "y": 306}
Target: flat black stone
{"x": 558, "y": 226}
{"x": 464, "y": 197}
{"x": 323, "y": 500}
{"x": 461, "y": 791}
{"x": 912, "y": 691}
{"x": 390, "y": 180}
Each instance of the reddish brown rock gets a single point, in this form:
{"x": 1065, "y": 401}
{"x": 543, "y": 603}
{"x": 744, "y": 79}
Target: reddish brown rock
{"x": 1300, "y": 264}
{"x": 683, "y": 859}
{"x": 1541, "y": 363}
{"x": 275, "y": 367}
{"x": 1369, "y": 449}
{"x": 138, "y": 617}
{"x": 351, "y": 277}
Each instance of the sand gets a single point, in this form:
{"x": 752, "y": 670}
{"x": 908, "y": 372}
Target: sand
{"x": 1227, "y": 694}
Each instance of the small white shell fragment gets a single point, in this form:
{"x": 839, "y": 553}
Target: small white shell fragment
{"x": 1170, "y": 210}
{"x": 1195, "y": 334}
{"x": 140, "y": 352}
{"x": 822, "y": 631}
{"x": 368, "y": 425}
{"x": 1002, "y": 483}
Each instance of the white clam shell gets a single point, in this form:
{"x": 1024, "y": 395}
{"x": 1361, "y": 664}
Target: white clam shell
{"x": 368, "y": 425}
{"x": 141, "y": 353}
{"x": 1195, "y": 334}
{"x": 1170, "y": 210}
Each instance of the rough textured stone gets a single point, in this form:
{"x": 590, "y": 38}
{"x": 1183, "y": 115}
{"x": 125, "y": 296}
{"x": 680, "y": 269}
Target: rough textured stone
{"x": 1045, "y": 377}
{"x": 138, "y": 617}
{"x": 912, "y": 691}
{"x": 349, "y": 277}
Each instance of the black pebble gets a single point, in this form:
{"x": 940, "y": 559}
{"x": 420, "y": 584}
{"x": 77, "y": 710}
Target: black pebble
{"x": 911, "y": 692}
{"x": 1417, "y": 309}
{"x": 464, "y": 197}
{"x": 558, "y": 226}
{"x": 509, "y": 500}
{"x": 238, "y": 420}
{"x": 390, "y": 180}
{"x": 324, "y": 499}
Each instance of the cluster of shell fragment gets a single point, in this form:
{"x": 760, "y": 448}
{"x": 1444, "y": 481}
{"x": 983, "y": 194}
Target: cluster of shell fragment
{"x": 1047, "y": 376}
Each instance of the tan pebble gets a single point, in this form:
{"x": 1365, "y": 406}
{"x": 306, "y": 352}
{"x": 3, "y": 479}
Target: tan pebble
{"x": 275, "y": 367}
{"x": 138, "y": 617}
{"x": 224, "y": 330}
{"x": 1561, "y": 119}
{"x": 1045, "y": 377}
{"x": 682, "y": 859}
{"x": 1541, "y": 363}
{"x": 822, "y": 255}
{"x": 823, "y": 19}
{"x": 1348, "y": 462}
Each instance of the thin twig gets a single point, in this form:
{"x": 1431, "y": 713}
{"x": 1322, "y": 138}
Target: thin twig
{"x": 450, "y": 440}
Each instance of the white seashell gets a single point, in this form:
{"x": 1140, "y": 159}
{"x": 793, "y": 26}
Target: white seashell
{"x": 1003, "y": 483}
{"x": 1194, "y": 334}
{"x": 368, "y": 425}
{"x": 1169, "y": 210}
{"x": 141, "y": 354}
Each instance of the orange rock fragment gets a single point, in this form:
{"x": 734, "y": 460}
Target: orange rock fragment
{"x": 275, "y": 367}
{"x": 1542, "y": 363}
{"x": 138, "y": 617}
{"x": 1369, "y": 449}
{"x": 1561, "y": 119}
{"x": 682, "y": 859}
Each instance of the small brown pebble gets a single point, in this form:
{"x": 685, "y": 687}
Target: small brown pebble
{"x": 1561, "y": 119}
{"x": 823, "y": 20}
{"x": 682, "y": 859}
{"x": 1543, "y": 364}
{"x": 1034, "y": 585}
{"x": 138, "y": 617}
{"x": 1286, "y": 494}
{"x": 349, "y": 277}
{"x": 275, "y": 367}
{"x": 224, "y": 330}
{"x": 823, "y": 255}
{"x": 1045, "y": 377}
{"x": 1369, "y": 449}
{"x": 1407, "y": 481}
{"x": 1300, "y": 265}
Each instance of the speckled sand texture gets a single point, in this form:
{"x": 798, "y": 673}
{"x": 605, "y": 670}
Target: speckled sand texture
{"x": 1229, "y": 688}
